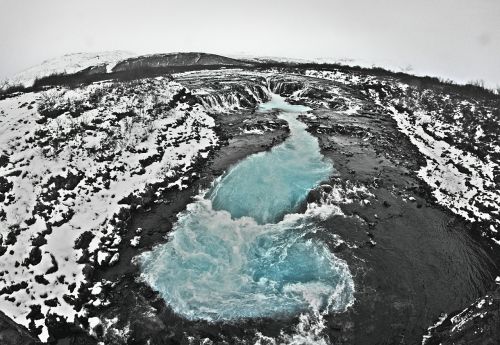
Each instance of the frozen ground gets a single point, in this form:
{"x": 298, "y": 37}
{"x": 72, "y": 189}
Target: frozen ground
{"x": 458, "y": 137}
{"x": 74, "y": 162}
{"x": 70, "y": 63}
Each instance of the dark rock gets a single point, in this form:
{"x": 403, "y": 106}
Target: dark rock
{"x": 479, "y": 324}
{"x": 53, "y": 302}
{"x": 40, "y": 279}
{"x": 83, "y": 241}
{"x": 5, "y": 185}
{"x": 54, "y": 266}
{"x": 34, "y": 258}
{"x": 39, "y": 240}
{"x": 14, "y": 334}
{"x": 4, "y": 160}
{"x": 13, "y": 288}
{"x": 88, "y": 271}
{"x": 35, "y": 313}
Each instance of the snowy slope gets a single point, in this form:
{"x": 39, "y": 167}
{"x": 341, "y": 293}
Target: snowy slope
{"x": 70, "y": 63}
{"x": 69, "y": 160}
{"x": 457, "y": 136}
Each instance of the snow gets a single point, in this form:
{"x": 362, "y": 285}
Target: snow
{"x": 460, "y": 180}
{"x": 453, "y": 188}
{"x": 438, "y": 323}
{"x": 114, "y": 259}
{"x": 253, "y": 131}
{"x": 177, "y": 137}
{"x": 339, "y": 76}
{"x": 96, "y": 289}
{"x": 70, "y": 63}
{"x": 93, "y": 322}
{"x": 134, "y": 242}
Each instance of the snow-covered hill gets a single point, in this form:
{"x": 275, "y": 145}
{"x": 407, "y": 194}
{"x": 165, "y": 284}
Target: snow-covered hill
{"x": 70, "y": 63}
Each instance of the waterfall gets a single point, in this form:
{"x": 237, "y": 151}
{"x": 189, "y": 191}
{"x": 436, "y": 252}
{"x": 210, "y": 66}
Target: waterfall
{"x": 235, "y": 97}
{"x": 282, "y": 87}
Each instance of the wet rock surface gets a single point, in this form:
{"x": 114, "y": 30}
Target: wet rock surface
{"x": 476, "y": 324}
{"x": 410, "y": 253}
{"x": 14, "y": 334}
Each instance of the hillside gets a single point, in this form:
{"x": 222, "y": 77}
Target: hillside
{"x": 68, "y": 64}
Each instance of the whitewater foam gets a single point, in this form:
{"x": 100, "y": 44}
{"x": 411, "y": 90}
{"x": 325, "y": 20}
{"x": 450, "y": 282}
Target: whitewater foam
{"x": 239, "y": 251}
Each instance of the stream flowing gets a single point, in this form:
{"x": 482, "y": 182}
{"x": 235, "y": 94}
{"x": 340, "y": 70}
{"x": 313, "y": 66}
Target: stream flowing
{"x": 240, "y": 250}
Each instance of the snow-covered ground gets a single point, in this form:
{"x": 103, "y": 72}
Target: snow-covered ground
{"x": 477, "y": 320}
{"x": 457, "y": 136}
{"x": 70, "y": 63}
{"x": 68, "y": 157}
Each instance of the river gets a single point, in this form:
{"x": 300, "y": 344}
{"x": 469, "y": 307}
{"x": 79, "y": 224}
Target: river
{"x": 240, "y": 250}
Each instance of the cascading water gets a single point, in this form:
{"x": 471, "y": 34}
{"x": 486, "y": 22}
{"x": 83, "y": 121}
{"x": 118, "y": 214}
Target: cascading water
{"x": 268, "y": 185}
{"x": 239, "y": 251}
{"x": 238, "y": 96}
{"x": 284, "y": 87}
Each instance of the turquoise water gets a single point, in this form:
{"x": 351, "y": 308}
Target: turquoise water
{"x": 240, "y": 251}
{"x": 268, "y": 185}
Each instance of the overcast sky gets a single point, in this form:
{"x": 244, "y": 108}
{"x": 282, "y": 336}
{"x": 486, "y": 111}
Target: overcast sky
{"x": 458, "y": 39}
